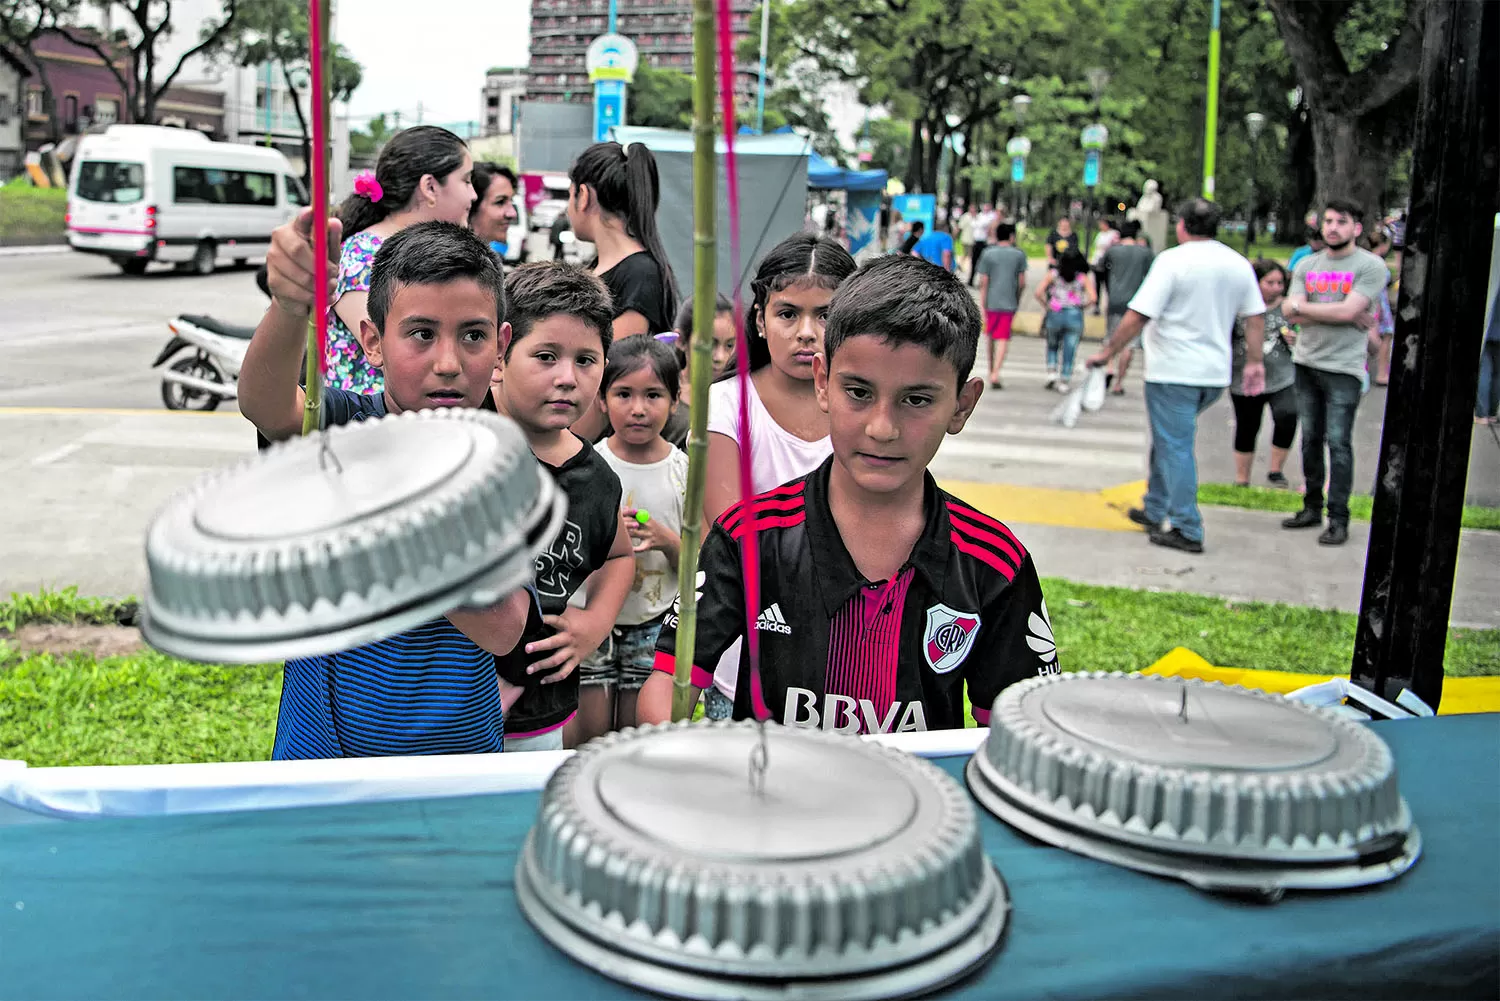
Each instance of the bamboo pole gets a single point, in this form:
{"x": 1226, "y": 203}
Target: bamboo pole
{"x": 705, "y": 291}
{"x": 319, "y": 16}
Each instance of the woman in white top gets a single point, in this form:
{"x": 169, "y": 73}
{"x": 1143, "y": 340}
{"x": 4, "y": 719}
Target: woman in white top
{"x": 788, "y": 431}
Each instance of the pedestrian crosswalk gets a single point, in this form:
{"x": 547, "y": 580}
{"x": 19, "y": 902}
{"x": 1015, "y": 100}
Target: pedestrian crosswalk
{"x": 1011, "y": 439}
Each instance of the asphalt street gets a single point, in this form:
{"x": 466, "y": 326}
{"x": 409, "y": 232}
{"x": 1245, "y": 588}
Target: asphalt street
{"x": 76, "y": 332}
{"x": 88, "y": 453}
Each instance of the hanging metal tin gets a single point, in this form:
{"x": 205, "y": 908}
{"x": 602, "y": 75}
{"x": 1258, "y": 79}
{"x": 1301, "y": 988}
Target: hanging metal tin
{"x": 1227, "y": 788}
{"x": 348, "y": 536}
{"x": 853, "y": 871}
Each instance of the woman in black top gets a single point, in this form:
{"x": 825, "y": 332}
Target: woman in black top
{"x": 612, "y": 201}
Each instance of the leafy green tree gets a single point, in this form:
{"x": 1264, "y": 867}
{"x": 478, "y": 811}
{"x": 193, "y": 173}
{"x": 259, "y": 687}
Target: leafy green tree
{"x": 1357, "y": 63}
{"x": 660, "y": 97}
{"x": 276, "y": 31}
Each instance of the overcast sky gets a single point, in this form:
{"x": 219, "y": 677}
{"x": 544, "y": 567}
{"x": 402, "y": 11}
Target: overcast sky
{"x": 433, "y": 51}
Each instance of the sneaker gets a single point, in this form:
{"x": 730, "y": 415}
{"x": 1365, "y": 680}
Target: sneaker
{"x": 1051, "y": 378}
{"x": 1176, "y": 540}
{"x": 1336, "y": 534}
{"x": 1062, "y": 387}
{"x": 1277, "y": 480}
{"x": 1306, "y": 518}
{"x": 996, "y": 384}
{"x": 1138, "y": 515}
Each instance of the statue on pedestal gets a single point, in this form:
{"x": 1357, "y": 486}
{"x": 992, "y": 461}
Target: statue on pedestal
{"x": 1152, "y": 217}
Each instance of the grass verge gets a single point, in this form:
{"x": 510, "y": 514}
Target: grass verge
{"x": 150, "y": 708}
{"x": 27, "y": 212}
{"x": 1290, "y": 502}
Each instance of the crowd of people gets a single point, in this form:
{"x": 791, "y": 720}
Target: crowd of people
{"x": 855, "y": 376}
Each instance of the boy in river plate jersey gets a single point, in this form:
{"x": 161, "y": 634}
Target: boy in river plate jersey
{"x": 882, "y": 597}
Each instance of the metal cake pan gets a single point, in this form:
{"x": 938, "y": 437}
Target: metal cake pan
{"x": 1225, "y": 787}
{"x": 347, "y": 536}
{"x": 856, "y": 871}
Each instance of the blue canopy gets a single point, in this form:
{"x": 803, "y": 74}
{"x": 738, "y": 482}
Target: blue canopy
{"x": 822, "y": 174}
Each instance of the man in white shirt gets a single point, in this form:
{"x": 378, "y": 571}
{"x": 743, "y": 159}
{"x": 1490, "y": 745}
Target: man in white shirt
{"x": 980, "y": 225}
{"x": 1194, "y": 292}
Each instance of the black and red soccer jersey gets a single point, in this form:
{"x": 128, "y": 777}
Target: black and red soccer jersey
{"x": 847, "y": 654}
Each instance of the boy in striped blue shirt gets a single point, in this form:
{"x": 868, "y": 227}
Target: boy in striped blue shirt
{"x": 436, "y": 328}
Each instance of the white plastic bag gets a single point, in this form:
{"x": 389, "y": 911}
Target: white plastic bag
{"x": 1066, "y": 413}
{"x": 1093, "y": 390}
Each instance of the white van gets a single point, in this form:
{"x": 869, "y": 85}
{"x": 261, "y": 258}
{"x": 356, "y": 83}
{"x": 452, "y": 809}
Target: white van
{"x": 143, "y": 193}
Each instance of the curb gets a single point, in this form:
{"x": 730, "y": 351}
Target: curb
{"x": 46, "y": 248}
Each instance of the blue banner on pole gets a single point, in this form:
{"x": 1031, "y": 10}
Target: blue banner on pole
{"x": 1091, "y": 169}
{"x": 1018, "y": 169}
{"x": 609, "y": 107}
{"x": 916, "y": 208}
{"x": 863, "y": 213}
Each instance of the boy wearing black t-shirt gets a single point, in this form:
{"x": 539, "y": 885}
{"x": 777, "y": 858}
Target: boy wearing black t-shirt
{"x": 436, "y": 326}
{"x": 560, "y": 317}
{"x": 882, "y": 597}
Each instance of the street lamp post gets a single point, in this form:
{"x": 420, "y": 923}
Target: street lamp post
{"x": 1018, "y": 149}
{"x": 1254, "y": 123}
{"x": 1093, "y": 143}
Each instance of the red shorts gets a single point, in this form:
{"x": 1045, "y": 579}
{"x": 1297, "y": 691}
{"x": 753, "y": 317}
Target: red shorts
{"x": 997, "y": 324}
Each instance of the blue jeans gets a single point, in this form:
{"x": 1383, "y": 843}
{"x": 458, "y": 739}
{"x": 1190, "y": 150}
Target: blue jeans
{"x": 1172, "y": 489}
{"x": 1489, "y": 380}
{"x": 1064, "y": 330}
{"x": 1326, "y": 402}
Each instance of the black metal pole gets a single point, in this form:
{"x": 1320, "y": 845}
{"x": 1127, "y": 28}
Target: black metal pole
{"x": 1424, "y": 449}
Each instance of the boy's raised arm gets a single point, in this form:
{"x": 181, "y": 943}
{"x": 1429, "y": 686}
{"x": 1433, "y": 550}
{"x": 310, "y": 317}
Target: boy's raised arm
{"x": 269, "y": 393}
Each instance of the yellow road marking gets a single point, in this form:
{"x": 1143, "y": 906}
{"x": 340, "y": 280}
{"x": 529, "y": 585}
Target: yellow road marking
{"x": 1097, "y": 509}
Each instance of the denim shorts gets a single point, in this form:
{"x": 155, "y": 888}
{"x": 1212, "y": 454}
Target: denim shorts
{"x": 717, "y": 705}
{"x": 624, "y": 659}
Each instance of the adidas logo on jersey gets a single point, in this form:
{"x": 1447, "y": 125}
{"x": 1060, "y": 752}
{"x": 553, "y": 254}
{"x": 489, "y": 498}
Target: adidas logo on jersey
{"x": 772, "y": 621}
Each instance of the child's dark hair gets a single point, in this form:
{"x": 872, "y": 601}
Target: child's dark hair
{"x": 1264, "y": 266}
{"x": 625, "y": 184}
{"x": 802, "y": 259}
{"x": 685, "y": 315}
{"x": 553, "y": 288}
{"x": 1072, "y": 264}
{"x": 638, "y": 351}
{"x": 432, "y": 253}
{"x": 1004, "y": 231}
{"x": 1130, "y": 229}
{"x": 410, "y": 155}
{"x": 905, "y": 300}
{"x": 484, "y": 173}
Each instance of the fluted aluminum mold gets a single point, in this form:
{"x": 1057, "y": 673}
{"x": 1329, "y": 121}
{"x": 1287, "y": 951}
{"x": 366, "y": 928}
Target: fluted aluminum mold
{"x": 1319, "y": 813}
{"x": 890, "y": 903}
{"x": 205, "y": 585}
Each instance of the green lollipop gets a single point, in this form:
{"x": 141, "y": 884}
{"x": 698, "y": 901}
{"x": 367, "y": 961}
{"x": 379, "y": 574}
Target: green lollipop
{"x": 642, "y": 517}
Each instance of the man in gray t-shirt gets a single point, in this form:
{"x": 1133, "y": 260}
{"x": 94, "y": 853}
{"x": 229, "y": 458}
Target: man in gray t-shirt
{"x": 1125, "y": 266}
{"x": 1002, "y": 276}
{"x": 1331, "y": 300}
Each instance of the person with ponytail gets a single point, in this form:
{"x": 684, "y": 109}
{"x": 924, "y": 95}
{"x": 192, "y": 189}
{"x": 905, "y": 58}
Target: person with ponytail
{"x": 423, "y": 175}
{"x": 788, "y": 434}
{"x": 613, "y": 192}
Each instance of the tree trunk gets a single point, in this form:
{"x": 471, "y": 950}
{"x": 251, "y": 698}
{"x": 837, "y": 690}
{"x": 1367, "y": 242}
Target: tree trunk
{"x": 912, "y": 179}
{"x": 286, "y": 76}
{"x": 1352, "y": 161}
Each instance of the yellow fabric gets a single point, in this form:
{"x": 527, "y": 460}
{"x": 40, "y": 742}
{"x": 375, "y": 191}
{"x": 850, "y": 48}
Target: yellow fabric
{"x": 1460, "y": 695}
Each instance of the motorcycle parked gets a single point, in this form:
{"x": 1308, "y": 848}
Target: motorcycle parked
{"x": 206, "y": 370}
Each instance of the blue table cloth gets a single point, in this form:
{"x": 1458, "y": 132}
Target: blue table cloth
{"x": 415, "y": 899}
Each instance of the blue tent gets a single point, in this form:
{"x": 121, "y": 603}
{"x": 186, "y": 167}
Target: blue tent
{"x": 824, "y": 175}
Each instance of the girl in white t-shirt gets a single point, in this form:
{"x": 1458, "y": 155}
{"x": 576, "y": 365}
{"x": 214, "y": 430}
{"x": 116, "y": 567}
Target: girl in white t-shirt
{"x": 637, "y": 393}
{"x": 788, "y": 431}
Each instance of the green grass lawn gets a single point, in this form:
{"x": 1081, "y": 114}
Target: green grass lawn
{"x": 31, "y": 213}
{"x": 150, "y": 708}
{"x": 1290, "y": 502}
